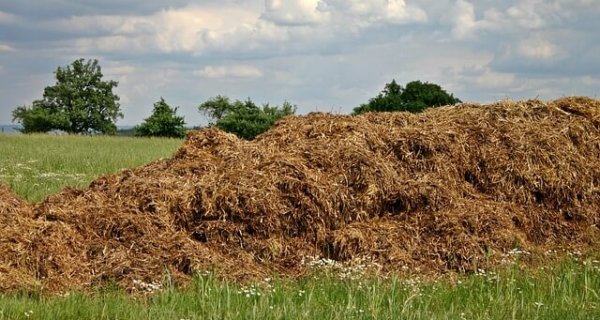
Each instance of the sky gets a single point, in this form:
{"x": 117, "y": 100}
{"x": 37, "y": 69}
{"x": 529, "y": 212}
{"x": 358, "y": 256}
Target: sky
{"x": 321, "y": 55}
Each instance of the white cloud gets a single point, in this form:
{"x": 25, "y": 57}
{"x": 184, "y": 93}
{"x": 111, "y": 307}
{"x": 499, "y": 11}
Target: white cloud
{"x": 119, "y": 71}
{"x": 229, "y": 71}
{"x": 537, "y": 48}
{"x": 320, "y": 54}
{"x": 6, "y": 48}
{"x": 527, "y": 13}
{"x": 518, "y": 17}
{"x": 590, "y": 81}
{"x": 6, "y": 18}
{"x": 398, "y": 11}
{"x": 260, "y": 36}
{"x": 187, "y": 29}
{"x": 482, "y": 76}
{"x": 364, "y": 13}
{"x": 209, "y": 30}
{"x": 463, "y": 19}
{"x": 492, "y": 79}
{"x": 292, "y": 12}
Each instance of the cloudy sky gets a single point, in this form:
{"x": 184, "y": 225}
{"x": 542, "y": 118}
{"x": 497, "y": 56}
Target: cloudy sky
{"x": 322, "y": 55}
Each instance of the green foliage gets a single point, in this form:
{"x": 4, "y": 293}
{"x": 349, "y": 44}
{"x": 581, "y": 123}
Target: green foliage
{"x": 164, "y": 122}
{"x": 217, "y": 107}
{"x": 415, "y": 97}
{"x": 244, "y": 118}
{"x": 34, "y": 119}
{"x": 79, "y": 102}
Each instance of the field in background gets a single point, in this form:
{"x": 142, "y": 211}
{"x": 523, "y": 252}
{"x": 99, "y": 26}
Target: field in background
{"x": 34, "y": 166}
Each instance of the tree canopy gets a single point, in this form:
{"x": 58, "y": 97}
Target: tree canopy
{"x": 415, "y": 97}
{"x": 244, "y": 118}
{"x": 164, "y": 122}
{"x": 79, "y": 102}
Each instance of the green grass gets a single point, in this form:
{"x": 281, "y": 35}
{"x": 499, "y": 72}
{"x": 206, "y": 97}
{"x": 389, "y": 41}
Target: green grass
{"x": 35, "y": 166}
{"x": 567, "y": 291}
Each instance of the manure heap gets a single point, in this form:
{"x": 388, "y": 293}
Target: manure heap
{"x": 452, "y": 189}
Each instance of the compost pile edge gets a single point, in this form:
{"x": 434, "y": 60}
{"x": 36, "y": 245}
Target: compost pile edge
{"x": 450, "y": 190}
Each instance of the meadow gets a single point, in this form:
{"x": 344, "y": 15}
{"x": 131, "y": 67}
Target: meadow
{"x": 35, "y": 166}
{"x": 39, "y": 165}
{"x": 567, "y": 290}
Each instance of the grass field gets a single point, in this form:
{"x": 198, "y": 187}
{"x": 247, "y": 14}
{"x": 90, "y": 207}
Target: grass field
{"x": 569, "y": 290}
{"x": 35, "y": 166}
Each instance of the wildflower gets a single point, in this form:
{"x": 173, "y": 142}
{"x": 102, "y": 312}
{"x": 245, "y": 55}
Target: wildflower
{"x": 150, "y": 287}
{"x": 249, "y": 291}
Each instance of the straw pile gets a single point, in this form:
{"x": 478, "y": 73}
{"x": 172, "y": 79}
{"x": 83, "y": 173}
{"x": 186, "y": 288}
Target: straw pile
{"x": 13, "y": 242}
{"x": 451, "y": 189}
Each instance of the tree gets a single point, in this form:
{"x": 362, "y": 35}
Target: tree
{"x": 35, "y": 119}
{"x": 244, "y": 118}
{"x": 415, "y": 97}
{"x": 217, "y": 107}
{"x": 164, "y": 122}
{"x": 79, "y": 102}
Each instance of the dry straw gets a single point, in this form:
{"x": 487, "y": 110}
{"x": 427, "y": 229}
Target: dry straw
{"x": 452, "y": 189}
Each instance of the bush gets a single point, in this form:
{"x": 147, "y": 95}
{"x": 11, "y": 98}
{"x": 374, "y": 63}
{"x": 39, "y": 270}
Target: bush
{"x": 164, "y": 122}
{"x": 415, "y": 97}
{"x": 244, "y": 119}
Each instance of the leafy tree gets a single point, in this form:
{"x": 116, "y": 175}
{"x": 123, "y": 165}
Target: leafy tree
{"x": 217, "y": 107}
{"x": 244, "y": 118}
{"x": 390, "y": 99}
{"x": 415, "y": 97}
{"x": 164, "y": 122}
{"x": 35, "y": 119}
{"x": 79, "y": 102}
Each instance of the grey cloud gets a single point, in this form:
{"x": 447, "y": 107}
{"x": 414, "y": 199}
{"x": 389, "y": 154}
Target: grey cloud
{"x": 322, "y": 59}
{"x": 533, "y": 39}
{"x": 51, "y": 9}
{"x": 291, "y": 13}
{"x": 583, "y": 62}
